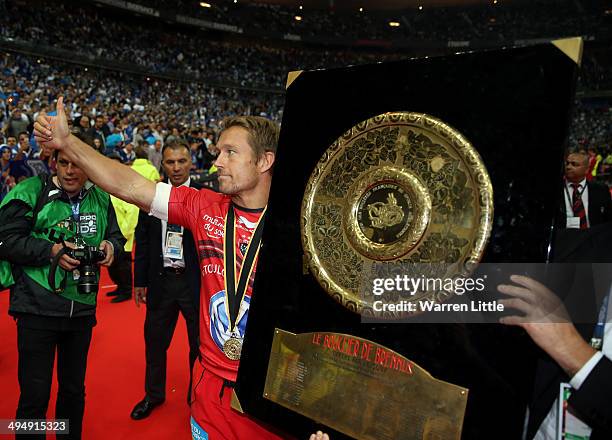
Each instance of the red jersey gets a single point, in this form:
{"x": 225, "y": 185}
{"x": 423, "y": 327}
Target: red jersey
{"x": 203, "y": 212}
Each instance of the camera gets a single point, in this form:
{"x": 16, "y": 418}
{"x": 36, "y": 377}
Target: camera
{"x": 88, "y": 256}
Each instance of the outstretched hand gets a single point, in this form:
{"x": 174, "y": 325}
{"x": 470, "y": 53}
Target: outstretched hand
{"x": 52, "y": 131}
{"x": 545, "y": 319}
{"x": 538, "y": 303}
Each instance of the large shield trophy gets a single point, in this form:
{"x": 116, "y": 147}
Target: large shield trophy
{"x": 434, "y": 166}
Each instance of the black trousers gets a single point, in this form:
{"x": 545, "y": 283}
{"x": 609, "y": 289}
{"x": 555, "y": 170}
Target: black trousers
{"x": 38, "y": 338}
{"x": 160, "y": 322}
{"x": 121, "y": 273}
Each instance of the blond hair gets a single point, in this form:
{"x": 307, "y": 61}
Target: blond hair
{"x": 262, "y": 133}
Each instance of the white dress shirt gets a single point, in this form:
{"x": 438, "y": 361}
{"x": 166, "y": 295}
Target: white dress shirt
{"x": 583, "y": 190}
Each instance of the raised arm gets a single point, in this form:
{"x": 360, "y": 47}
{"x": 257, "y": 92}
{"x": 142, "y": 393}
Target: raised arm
{"x": 113, "y": 177}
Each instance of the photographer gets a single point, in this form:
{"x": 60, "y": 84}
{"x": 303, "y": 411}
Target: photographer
{"x": 55, "y": 232}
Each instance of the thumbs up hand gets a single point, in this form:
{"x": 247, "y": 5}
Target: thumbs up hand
{"x": 52, "y": 131}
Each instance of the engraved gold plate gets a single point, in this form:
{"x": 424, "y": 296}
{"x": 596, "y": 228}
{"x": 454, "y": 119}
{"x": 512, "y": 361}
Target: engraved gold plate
{"x": 361, "y": 388}
{"x": 397, "y": 188}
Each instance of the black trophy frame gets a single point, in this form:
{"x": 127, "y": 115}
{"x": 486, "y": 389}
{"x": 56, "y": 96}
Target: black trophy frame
{"x": 514, "y": 106}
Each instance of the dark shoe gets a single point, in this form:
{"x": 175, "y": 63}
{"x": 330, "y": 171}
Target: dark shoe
{"x": 144, "y": 408}
{"x": 113, "y": 293}
{"x": 121, "y": 298}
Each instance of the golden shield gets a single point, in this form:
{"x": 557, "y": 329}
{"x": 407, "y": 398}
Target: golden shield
{"x": 397, "y": 189}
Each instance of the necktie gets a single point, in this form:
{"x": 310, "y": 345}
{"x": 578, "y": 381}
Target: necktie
{"x": 578, "y": 206}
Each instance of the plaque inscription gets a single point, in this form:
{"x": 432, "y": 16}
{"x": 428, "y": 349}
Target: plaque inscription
{"x": 361, "y": 388}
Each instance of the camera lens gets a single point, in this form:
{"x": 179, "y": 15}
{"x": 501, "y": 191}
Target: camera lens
{"x": 88, "y": 283}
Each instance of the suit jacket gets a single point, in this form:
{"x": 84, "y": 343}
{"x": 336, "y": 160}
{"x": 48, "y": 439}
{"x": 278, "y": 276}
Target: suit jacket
{"x": 149, "y": 260}
{"x": 589, "y": 285}
{"x": 600, "y": 206}
{"x": 591, "y": 402}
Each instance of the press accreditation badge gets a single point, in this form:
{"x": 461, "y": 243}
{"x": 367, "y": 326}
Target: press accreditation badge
{"x": 573, "y": 223}
{"x": 174, "y": 242}
{"x": 569, "y": 426}
{"x": 197, "y": 433}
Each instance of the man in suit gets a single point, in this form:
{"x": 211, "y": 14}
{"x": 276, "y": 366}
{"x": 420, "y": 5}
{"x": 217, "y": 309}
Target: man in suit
{"x": 586, "y": 204}
{"x": 568, "y": 356}
{"x": 167, "y": 279}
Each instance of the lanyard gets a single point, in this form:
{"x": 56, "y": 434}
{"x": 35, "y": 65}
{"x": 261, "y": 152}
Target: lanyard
{"x": 76, "y": 209}
{"x": 598, "y": 333}
{"x": 235, "y": 293}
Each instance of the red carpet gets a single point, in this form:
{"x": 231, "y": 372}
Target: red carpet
{"x": 115, "y": 375}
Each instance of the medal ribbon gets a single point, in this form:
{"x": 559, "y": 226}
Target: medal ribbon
{"x": 235, "y": 293}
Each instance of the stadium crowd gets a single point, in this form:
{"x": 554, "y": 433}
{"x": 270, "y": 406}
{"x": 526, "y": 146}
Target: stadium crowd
{"x": 160, "y": 49}
{"x": 117, "y": 110}
{"x": 491, "y": 21}
{"x": 178, "y": 49}
{"x": 592, "y": 129}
